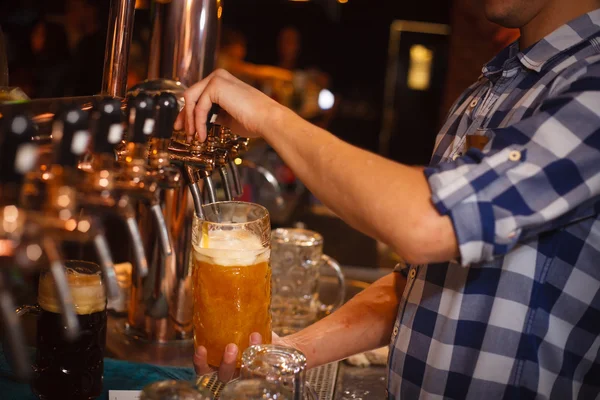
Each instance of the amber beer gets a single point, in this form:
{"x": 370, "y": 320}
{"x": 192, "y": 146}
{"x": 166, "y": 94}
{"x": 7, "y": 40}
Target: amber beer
{"x": 67, "y": 369}
{"x": 231, "y": 285}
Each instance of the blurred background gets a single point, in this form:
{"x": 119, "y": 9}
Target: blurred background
{"x": 379, "y": 74}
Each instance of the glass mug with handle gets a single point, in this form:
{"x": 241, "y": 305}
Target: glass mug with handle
{"x": 63, "y": 367}
{"x": 231, "y": 277}
{"x": 296, "y": 260}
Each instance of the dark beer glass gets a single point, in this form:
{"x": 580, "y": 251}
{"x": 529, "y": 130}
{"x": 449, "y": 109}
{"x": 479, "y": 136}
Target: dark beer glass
{"x": 63, "y": 368}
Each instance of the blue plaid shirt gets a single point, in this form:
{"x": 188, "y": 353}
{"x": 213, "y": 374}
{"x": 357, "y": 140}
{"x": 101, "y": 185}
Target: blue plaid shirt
{"x": 518, "y": 315}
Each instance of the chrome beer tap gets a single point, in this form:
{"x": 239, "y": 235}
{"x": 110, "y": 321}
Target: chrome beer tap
{"x": 198, "y": 161}
{"x": 17, "y": 157}
{"x": 22, "y": 230}
{"x": 64, "y": 198}
{"x": 100, "y": 189}
{"x": 228, "y": 147}
{"x": 135, "y": 179}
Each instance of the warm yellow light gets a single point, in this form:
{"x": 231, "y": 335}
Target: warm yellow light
{"x": 34, "y": 252}
{"x": 342, "y": 1}
{"x": 238, "y": 161}
{"x": 83, "y": 226}
{"x": 419, "y": 69}
{"x": 219, "y": 12}
{"x": 70, "y": 225}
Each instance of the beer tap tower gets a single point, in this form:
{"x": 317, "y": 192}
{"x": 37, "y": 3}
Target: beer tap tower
{"x": 152, "y": 179}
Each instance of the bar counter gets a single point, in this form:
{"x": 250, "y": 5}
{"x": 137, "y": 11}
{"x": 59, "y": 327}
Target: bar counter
{"x": 131, "y": 364}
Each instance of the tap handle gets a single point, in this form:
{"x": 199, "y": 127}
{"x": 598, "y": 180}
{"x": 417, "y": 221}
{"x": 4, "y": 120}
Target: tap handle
{"x": 107, "y": 126}
{"x": 18, "y": 154}
{"x": 70, "y": 134}
{"x": 141, "y": 118}
{"x": 166, "y": 114}
{"x": 213, "y": 114}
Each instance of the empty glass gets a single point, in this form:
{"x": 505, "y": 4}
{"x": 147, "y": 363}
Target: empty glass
{"x": 278, "y": 364}
{"x": 255, "y": 389}
{"x": 296, "y": 260}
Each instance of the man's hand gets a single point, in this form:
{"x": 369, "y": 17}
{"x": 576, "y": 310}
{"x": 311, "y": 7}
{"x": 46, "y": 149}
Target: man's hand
{"x": 246, "y": 109}
{"x": 227, "y": 369}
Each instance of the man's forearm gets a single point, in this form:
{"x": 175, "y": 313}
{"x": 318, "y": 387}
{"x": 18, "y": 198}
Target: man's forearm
{"x": 386, "y": 200}
{"x": 362, "y": 324}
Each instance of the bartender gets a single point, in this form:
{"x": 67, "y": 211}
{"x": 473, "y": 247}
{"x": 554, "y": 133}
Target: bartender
{"x": 501, "y": 296}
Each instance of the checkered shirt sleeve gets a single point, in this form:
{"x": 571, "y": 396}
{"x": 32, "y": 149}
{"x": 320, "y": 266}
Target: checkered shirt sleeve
{"x": 538, "y": 174}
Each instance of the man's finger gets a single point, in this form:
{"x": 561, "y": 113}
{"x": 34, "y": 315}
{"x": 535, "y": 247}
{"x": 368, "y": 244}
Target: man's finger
{"x": 227, "y": 368}
{"x": 255, "y": 338}
{"x": 178, "y": 125}
{"x": 201, "y": 361}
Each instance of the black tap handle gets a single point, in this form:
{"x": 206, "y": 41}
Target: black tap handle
{"x": 71, "y": 136}
{"x": 18, "y": 154}
{"x": 212, "y": 115}
{"x": 108, "y": 126}
{"x": 166, "y": 113}
{"x": 141, "y": 118}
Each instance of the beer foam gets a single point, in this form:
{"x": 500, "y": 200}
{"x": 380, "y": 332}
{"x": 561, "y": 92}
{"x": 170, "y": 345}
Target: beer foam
{"x": 87, "y": 291}
{"x": 231, "y": 248}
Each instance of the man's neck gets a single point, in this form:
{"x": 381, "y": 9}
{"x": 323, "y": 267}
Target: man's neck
{"x": 551, "y": 17}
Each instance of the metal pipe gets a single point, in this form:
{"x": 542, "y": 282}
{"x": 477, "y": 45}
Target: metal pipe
{"x": 163, "y": 231}
{"x": 209, "y": 189}
{"x": 225, "y": 182}
{"x": 237, "y": 183}
{"x": 118, "y": 42}
{"x": 107, "y": 265}
{"x": 138, "y": 246}
{"x": 63, "y": 292}
{"x": 186, "y": 37}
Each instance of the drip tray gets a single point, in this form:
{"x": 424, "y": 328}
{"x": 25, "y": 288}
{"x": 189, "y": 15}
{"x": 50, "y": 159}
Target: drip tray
{"x": 322, "y": 380}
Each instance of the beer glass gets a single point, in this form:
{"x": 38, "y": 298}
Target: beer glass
{"x": 282, "y": 365}
{"x": 254, "y": 389}
{"x": 231, "y": 277}
{"x": 66, "y": 368}
{"x": 296, "y": 258}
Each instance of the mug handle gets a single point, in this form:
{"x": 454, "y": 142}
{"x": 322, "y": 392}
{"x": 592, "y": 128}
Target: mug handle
{"x": 13, "y": 340}
{"x": 335, "y": 266}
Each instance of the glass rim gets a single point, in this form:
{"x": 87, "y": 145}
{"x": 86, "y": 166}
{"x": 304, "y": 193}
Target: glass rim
{"x": 317, "y": 238}
{"x": 94, "y": 266}
{"x": 298, "y": 357}
{"x": 265, "y": 213}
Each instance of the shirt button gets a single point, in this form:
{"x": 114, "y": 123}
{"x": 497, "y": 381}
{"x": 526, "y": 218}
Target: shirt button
{"x": 412, "y": 273}
{"x": 474, "y": 103}
{"x": 514, "y": 155}
{"x": 395, "y": 332}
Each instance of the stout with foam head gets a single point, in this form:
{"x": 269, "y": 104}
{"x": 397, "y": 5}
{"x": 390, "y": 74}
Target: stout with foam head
{"x": 67, "y": 369}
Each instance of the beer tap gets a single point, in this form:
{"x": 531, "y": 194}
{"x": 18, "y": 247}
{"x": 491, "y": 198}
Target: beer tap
{"x": 18, "y": 156}
{"x": 135, "y": 179}
{"x": 198, "y": 161}
{"x": 71, "y": 138}
{"x": 99, "y": 189}
{"x": 228, "y": 147}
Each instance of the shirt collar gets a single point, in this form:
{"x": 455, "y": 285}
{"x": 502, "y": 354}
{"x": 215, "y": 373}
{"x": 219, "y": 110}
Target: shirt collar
{"x": 537, "y": 55}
